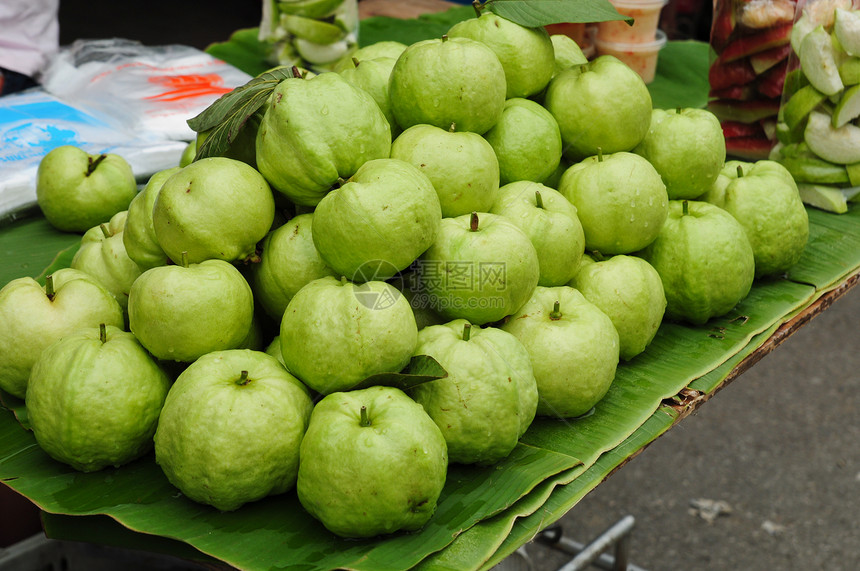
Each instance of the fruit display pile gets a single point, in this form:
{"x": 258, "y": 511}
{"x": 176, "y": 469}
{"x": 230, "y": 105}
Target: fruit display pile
{"x": 388, "y": 269}
{"x": 818, "y": 132}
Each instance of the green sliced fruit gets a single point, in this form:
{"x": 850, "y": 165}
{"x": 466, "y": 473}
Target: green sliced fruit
{"x": 825, "y": 197}
{"x": 818, "y": 61}
{"x": 321, "y": 54}
{"x": 853, "y": 171}
{"x": 846, "y": 27}
{"x": 840, "y": 145}
{"x": 794, "y": 80}
{"x": 309, "y": 8}
{"x": 800, "y": 30}
{"x": 315, "y": 31}
{"x": 814, "y": 170}
{"x": 849, "y": 71}
{"x": 848, "y": 107}
{"x": 797, "y": 109}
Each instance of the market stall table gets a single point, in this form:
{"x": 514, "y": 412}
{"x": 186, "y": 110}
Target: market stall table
{"x": 485, "y": 513}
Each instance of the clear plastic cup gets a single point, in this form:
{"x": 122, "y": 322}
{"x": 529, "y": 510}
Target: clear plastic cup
{"x": 646, "y": 20}
{"x": 639, "y": 56}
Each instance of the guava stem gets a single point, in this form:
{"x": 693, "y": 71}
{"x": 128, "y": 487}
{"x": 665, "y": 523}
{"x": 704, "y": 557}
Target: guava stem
{"x": 538, "y": 199}
{"x": 105, "y": 230}
{"x": 452, "y": 128}
{"x": 473, "y": 222}
{"x": 476, "y": 4}
{"x": 555, "y": 314}
{"x": 355, "y": 62}
{"x": 343, "y": 280}
{"x": 183, "y": 258}
{"x": 93, "y": 164}
{"x": 49, "y": 287}
{"x": 341, "y": 181}
{"x": 467, "y": 331}
{"x": 685, "y": 208}
{"x": 740, "y": 171}
{"x": 600, "y": 154}
{"x": 444, "y": 37}
{"x": 296, "y": 71}
{"x": 597, "y": 255}
{"x": 678, "y": 110}
{"x": 102, "y": 333}
{"x": 365, "y": 421}
{"x": 243, "y": 379}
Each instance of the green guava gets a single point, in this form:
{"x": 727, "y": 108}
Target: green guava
{"x": 489, "y": 398}
{"x": 231, "y": 429}
{"x": 372, "y": 463}
{"x": 94, "y": 398}
{"x": 138, "y": 236}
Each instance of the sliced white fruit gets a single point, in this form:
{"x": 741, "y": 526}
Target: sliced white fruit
{"x": 825, "y": 197}
{"x": 321, "y": 54}
{"x": 848, "y": 107}
{"x": 841, "y": 146}
{"x": 800, "y": 29}
{"x": 846, "y": 26}
{"x": 818, "y": 62}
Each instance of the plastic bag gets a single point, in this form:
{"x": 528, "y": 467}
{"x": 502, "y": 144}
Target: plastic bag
{"x": 149, "y": 90}
{"x": 751, "y": 40}
{"x": 819, "y": 128}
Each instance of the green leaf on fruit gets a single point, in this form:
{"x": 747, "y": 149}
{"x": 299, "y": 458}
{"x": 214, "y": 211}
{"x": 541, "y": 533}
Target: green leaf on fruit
{"x": 421, "y": 369}
{"x": 225, "y": 118}
{"x": 535, "y": 13}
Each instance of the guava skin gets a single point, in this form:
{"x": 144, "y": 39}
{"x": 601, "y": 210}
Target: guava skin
{"x": 461, "y": 165}
{"x": 215, "y": 208}
{"x": 102, "y": 255}
{"x": 489, "y": 398}
{"x": 363, "y": 480}
{"x": 620, "y": 200}
{"x": 629, "y": 290}
{"x": 574, "y": 353}
{"x": 526, "y": 54}
{"x": 76, "y": 190}
{"x": 687, "y": 147}
{"x": 481, "y": 275}
{"x": 334, "y": 333}
{"x": 553, "y": 228}
{"x": 226, "y": 440}
{"x": 763, "y": 197}
{"x": 372, "y": 75}
{"x": 704, "y": 259}
{"x": 450, "y": 80}
{"x": 316, "y": 131}
{"x": 138, "y": 236}
{"x": 602, "y": 105}
{"x": 378, "y": 222}
{"x": 93, "y": 403}
{"x": 32, "y": 320}
{"x": 180, "y": 313}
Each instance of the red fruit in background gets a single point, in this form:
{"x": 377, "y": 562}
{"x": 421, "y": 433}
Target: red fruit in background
{"x": 735, "y": 129}
{"x": 723, "y": 24}
{"x": 744, "y": 111}
{"x": 763, "y": 61}
{"x": 749, "y": 148}
{"x": 736, "y": 92}
{"x": 722, "y": 74}
{"x": 744, "y": 46}
{"x": 770, "y": 84}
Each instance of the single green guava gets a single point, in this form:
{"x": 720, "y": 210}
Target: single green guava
{"x": 527, "y": 142}
{"x": 489, "y": 398}
{"x": 630, "y": 292}
{"x": 462, "y": 166}
{"x": 550, "y": 222}
{"x": 449, "y": 80}
{"x": 687, "y": 147}
{"x": 94, "y": 398}
{"x": 573, "y": 348}
{"x": 526, "y": 54}
{"x": 704, "y": 259}
{"x": 372, "y": 463}
{"x": 481, "y": 268}
{"x": 620, "y": 200}
{"x": 378, "y": 222}
{"x": 334, "y": 333}
{"x": 231, "y": 429}
{"x": 138, "y": 236}
{"x": 180, "y": 313}
{"x": 102, "y": 255}
{"x": 316, "y": 131}
{"x": 764, "y": 198}
{"x": 34, "y": 316}
{"x": 601, "y": 105}
{"x": 76, "y": 190}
